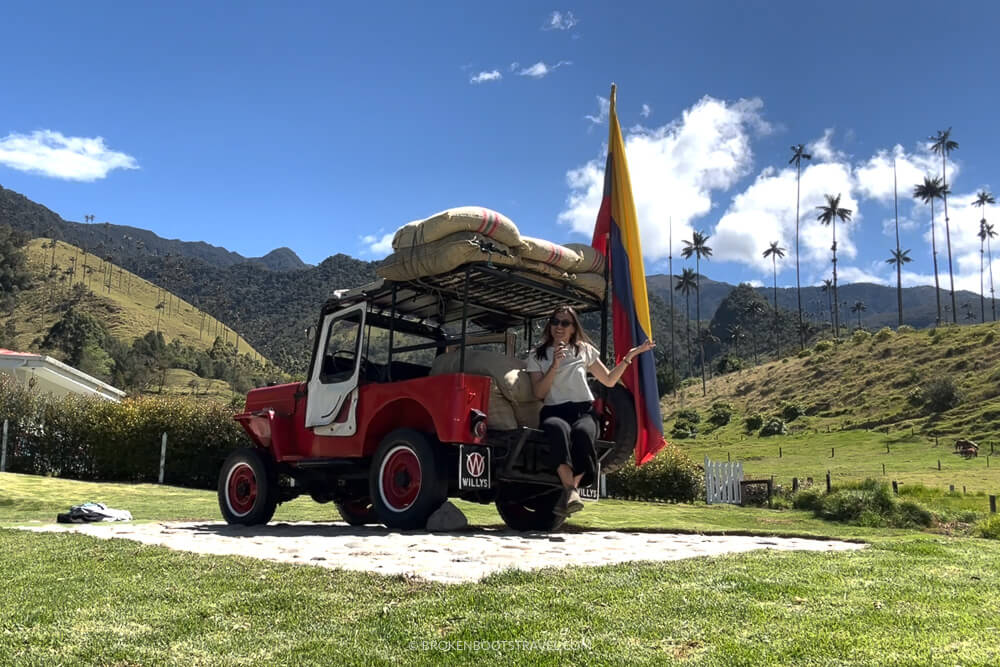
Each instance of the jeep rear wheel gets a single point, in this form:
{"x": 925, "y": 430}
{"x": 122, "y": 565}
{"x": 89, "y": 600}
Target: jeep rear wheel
{"x": 405, "y": 480}
{"x": 248, "y": 488}
{"x": 525, "y": 507}
{"x": 615, "y": 409}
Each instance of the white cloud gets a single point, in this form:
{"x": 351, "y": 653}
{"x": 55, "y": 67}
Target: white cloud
{"x": 560, "y": 21}
{"x": 378, "y": 245}
{"x": 646, "y": 110}
{"x": 483, "y": 77}
{"x": 854, "y": 274}
{"x": 822, "y": 149}
{"x": 50, "y": 153}
{"x": 875, "y": 176}
{"x": 674, "y": 169}
{"x": 540, "y": 69}
{"x": 603, "y": 111}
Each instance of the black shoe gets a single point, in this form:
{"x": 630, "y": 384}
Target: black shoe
{"x": 560, "y": 508}
{"x": 573, "y": 502}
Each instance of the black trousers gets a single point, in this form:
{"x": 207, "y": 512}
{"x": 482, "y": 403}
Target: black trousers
{"x": 571, "y": 429}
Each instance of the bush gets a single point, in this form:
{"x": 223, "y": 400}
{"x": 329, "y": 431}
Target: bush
{"x": 915, "y": 396}
{"x": 905, "y": 328}
{"x": 805, "y": 352}
{"x": 728, "y": 364}
{"x": 884, "y": 334}
{"x": 683, "y": 429}
{"x": 990, "y": 528}
{"x": 822, "y": 346}
{"x": 868, "y": 503}
{"x": 93, "y": 439}
{"x": 941, "y": 394}
{"x": 774, "y": 426}
{"x": 670, "y": 476}
{"x": 860, "y": 336}
{"x": 721, "y": 413}
{"x": 689, "y": 415}
{"x": 791, "y": 411}
{"x": 989, "y": 337}
{"x": 754, "y": 422}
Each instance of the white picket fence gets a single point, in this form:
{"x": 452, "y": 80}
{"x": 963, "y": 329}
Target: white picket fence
{"x": 722, "y": 481}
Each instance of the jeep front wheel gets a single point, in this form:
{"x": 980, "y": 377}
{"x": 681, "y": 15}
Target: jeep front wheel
{"x": 248, "y": 488}
{"x": 357, "y": 511}
{"x": 405, "y": 480}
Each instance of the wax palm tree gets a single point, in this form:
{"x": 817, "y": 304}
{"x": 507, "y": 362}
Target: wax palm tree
{"x": 897, "y": 255}
{"x": 983, "y": 198}
{"x": 942, "y": 144}
{"x": 684, "y": 283}
{"x": 828, "y": 215}
{"x": 927, "y": 192}
{"x": 705, "y": 337}
{"x": 774, "y": 251}
{"x": 798, "y": 155}
{"x": 753, "y": 311}
{"x": 736, "y": 334}
{"x": 828, "y": 288}
{"x": 989, "y": 233}
{"x": 897, "y": 258}
{"x": 859, "y": 307}
{"x": 699, "y": 248}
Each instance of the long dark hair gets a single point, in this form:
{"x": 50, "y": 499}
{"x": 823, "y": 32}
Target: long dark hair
{"x": 579, "y": 335}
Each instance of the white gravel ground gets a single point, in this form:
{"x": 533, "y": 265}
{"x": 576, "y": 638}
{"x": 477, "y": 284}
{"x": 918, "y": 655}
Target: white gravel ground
{"x": 446, "y": 557}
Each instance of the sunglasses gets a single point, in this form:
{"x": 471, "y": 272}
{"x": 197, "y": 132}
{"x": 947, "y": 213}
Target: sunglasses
{"x": 556, "y": 322}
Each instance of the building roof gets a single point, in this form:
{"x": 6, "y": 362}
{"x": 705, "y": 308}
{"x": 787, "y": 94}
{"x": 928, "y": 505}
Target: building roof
{"x": 53, "y": 376}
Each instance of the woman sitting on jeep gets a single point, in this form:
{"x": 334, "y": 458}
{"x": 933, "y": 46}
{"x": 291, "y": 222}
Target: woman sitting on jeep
{"x": 558, "y": 369}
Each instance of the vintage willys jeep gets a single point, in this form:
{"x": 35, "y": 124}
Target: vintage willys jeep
{"x": 373, "y": 431}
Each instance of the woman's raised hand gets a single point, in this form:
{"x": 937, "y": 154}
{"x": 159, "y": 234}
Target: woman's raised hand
{"x": 639, "y": 349}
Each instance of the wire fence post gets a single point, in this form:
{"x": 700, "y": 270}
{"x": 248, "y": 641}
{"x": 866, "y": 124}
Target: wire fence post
{"x": 163, "y": 454}
{"x": 3, "y": 450}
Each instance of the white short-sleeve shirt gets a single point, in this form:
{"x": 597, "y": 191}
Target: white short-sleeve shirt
{"x": 570, "y": 382}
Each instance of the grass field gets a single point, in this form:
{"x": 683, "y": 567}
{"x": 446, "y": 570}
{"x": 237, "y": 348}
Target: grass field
{"x": 856, "y": 399}
{"x": 910, "y": 598}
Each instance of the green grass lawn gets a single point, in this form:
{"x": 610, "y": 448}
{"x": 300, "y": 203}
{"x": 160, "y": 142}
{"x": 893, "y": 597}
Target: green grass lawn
{"x": 910, "y": 598}
{"x": 856, "y": 455}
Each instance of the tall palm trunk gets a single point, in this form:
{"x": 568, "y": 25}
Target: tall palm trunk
{"x": 798, "y": 285}
{"x": 937, "y": 284}
{"x": 993, "y": 296}
{"x": 670, "y": 272}
{"x": 947, "y": 236}
{"x": 777, "y": 337}
{"x": 836, "y": 300}
{"x": 701, "y": 342}
{"x": 899, "y": 265}
{"x": 982, "y": 296}
{"x": 829, "y": 295}
{"x": 687, "y": 309}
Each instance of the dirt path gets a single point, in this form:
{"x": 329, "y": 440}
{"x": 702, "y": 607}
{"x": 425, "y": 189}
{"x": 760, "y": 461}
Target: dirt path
{"x": 446, "y": 557}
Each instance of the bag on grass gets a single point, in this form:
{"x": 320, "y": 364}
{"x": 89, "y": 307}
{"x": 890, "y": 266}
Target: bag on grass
{"x": 91, "y": 512}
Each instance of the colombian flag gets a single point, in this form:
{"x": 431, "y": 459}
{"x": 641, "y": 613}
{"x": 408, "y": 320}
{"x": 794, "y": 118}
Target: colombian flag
{"x": 617, "y": 225}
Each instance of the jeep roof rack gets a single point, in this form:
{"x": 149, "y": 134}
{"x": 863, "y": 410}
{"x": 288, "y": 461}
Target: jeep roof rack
{"x": 493, "y": 297}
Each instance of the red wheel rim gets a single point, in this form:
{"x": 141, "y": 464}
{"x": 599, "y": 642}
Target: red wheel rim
{"x": 400, "y": 478}
{"x": 241, "y": 489}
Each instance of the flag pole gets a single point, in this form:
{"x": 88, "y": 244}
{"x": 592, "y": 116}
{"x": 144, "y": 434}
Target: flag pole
{"x": 670, "y": 271}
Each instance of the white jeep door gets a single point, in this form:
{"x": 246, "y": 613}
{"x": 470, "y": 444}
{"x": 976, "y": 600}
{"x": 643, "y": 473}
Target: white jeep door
{"x": 333, "y": 379}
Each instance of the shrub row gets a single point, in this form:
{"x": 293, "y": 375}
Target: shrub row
{"x": 867, "y": 503}
{"x": 93, "y": 439}
{"x": 670, "y": 476}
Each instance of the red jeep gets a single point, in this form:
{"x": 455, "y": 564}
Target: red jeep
{"x": 373, "y": 431}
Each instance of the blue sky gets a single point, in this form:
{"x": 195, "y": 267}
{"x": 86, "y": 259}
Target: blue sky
{"x": 323, "y": 126}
